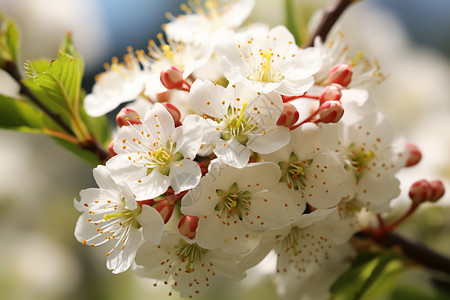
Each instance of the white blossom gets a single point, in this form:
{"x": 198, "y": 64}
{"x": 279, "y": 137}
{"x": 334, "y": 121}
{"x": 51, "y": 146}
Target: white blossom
{"x": 188, "y": 267}
{"x": 121, "y": 82}
{"x": 235, "y": 205}
{"x": 155, "y": 155}
{"x": 269, "y": 60}
{"x": 111, "y": 215}
{"x": 240, "y": 121}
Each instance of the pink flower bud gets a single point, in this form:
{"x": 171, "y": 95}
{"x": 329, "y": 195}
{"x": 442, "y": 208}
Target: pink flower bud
{"x": 187, "y": 226}
{"x": 111, "y": 148}
{"x": 331, "y": 111}
{"x": 420, "y": 191}
{"x": 340, "y": 74}
{"x": 174, "y": 112}
{"x": 289, "y": 116}
{"x": 437, "y": 190}
{"x": 165, "y": 209}
{"x": 172, "y": 78}
{"x": 414, "y": 155}
{"x": 127, "y": 116}
{"x": 149, "y": 202}
{"x": 163, "y": 97}
{"x": 330, "y": 93}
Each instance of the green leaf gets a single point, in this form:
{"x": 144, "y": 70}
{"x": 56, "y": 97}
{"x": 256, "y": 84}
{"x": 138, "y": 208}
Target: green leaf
{"x": 52, "y": 106}
{"x": 35, "y": 67}
{"x": 61, "y": 82}
{"x": 18, "y": 115}
{"x": 69, "y": 48}
{"x": 9, "y": 41}
{"x": 375, "y": 274}
{"x": 100, "y": 127}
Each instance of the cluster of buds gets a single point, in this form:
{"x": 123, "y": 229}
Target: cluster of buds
{"x": 331, "y": 110}
{"x": 426, "y": 191}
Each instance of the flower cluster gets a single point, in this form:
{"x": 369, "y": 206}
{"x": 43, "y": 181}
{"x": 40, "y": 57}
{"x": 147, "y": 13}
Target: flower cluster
{"x": 239, "y": 146}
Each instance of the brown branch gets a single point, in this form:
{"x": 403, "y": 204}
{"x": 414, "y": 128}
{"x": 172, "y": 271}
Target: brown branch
{"x": 416, "y": 251}
{"x": 329, "y": 18}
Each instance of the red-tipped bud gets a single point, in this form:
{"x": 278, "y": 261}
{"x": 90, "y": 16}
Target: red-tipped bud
{"x": 172, "y": 78}
{"x": 174, "y": 112}
{"x": 414, "y": 155}
{"x": 289, "y": 116}
{"x": 163, "y": 97}
{"x": 340, "y": 74}
{"x": 127, "y": 116}
{"x": 165, "y": 209}
{"x": 420, "y": 191}
{"x": 111, "y": 148}
{"x": 437, "y": 190}
{"x": 331, "y": 112}
{"x": 149, "y": 202}
{"x": 187, "y": 226}
{"x": 330, "y": 93}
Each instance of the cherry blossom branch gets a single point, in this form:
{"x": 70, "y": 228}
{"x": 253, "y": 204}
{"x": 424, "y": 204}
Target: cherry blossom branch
{"x": 416, "y": 251}
{"x": 90, "y": 145}
{"x": 329, "y": 18}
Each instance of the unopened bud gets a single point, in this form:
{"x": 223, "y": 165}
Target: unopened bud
{"x": 172, "y": 78}
{"x": 331, "y": 112}
{"x": 289, "y": 116}
{"x": 174, "y": 112}
{"x": 187, "y": 226}
{"x": 340, "y": 74}
{"x": 165, "y": 209}
{"x": 330, "y": 93}
{"x": 127, "y": 116}
{"x": 414, "y": 155}
{"x": 163, "y": 97}
{"x": 420, "y": 191}
{"x": 111, "y": 148}
{"x": 437, "y": 190}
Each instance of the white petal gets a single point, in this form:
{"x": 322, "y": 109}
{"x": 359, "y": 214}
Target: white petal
{"x": 269, "y": 142}
{"x": 232, "y": 153}
{"x": 189, "y": 136}
{"x": 208, "y": 98}
{"x": 121, "y": 259}
{"x": 152, "y": 224}
{"x": 185, "y": 175}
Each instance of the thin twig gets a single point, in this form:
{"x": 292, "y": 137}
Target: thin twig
{"x": 416, "y": 251}
{"x": 328, "y": 20}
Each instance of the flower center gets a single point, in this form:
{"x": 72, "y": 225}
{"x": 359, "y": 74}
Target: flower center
{"x": 233, "y": 201}
{"x": 359, "y": 159}
{"x": 293, "y": 171}
{"x": 161, "y": 159}
{"x": 264, "y": 69}
{"x": 189, "y": 254}
{"x": 129, "y": 216}
{"x": 237, "y": 125}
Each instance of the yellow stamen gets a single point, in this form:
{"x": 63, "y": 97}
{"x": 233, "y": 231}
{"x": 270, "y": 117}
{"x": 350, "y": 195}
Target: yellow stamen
{"x": 354, "y": 61}
{"x": 266, "y": 67}
{"x": 241, "y": 115}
